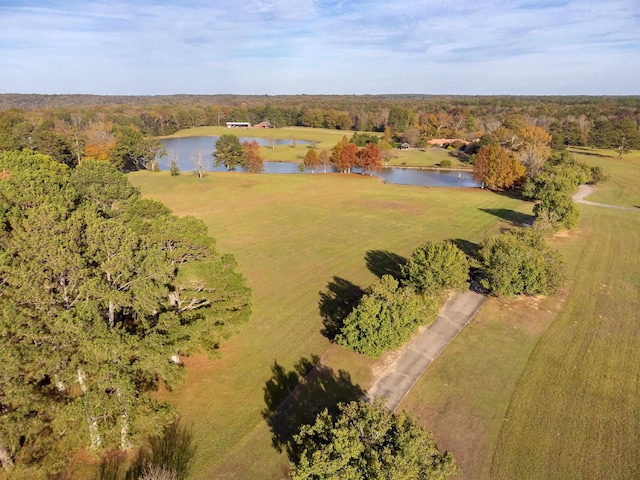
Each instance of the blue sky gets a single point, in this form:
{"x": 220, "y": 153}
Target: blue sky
{"x": 129, "y": 47}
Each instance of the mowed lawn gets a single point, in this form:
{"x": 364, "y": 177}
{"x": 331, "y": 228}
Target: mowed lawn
{"x": 547, "y": 387}
{"x": 575, "y": 412}
{"x": 293, "y": 235}
{"x": 623, "y": 188}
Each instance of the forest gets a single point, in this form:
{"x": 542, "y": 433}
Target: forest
{"x": 73, "y": 126}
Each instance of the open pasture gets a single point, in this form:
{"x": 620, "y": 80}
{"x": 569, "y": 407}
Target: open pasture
{"x": 300, "y": 239}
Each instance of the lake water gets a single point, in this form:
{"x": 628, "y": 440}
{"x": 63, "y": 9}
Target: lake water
{"x": 186, "y": 147}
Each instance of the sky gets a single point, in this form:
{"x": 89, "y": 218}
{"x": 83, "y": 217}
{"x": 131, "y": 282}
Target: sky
{"x": 272, "y": 47}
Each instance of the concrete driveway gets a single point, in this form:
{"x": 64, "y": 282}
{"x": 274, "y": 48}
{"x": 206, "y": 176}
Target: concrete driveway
{"x": 396, "y": 381}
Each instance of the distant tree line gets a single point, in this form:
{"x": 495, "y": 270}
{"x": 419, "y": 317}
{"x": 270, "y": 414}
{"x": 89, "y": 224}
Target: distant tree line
{"x": 608, "y": 122}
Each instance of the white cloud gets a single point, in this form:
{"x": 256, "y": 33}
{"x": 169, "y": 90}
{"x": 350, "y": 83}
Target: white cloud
{"x": 316, "y": 46}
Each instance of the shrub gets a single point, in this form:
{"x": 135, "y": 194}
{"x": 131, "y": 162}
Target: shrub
{"x": 445, "y": 163}
{"x": 436, "y": 266}
{"x": 598, "y": 175}
{"x": 386, "y": 317}
{"x": 520, "y": 262}
{"x": 169, "y": 455}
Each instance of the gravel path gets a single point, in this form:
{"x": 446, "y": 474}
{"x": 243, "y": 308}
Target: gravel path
{"x": 586, "y": 190}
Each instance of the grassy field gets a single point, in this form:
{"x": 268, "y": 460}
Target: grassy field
{"x": 624, "y": 187}
{"x": 295, "y": 237}
{"x": 324, "y": 139}
{"x": 541, "y": 388}
{"x": 575, "y": 411}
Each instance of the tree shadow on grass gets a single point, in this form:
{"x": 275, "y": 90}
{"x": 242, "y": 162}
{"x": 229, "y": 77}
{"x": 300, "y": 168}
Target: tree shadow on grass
{"x": 515, "y": 218}
{"x": 587, "y": 151}
{"x": 383, "y": 262}
{"x": 336, "y": 304}
{"x": 294, "y": 397}
{"x": 469, "y": 248}
{"x": 475, "y": 272}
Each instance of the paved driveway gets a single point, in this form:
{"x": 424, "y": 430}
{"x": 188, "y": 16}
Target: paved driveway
{"x": 396, "y": 381}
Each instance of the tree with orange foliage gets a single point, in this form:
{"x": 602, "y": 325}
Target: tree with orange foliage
{"x": 311, "y": 160}
{"x": 323, "y": 158}
{"x": 370, "y": 158}
{"x": 99, "y": 140}
{"x": 344, "y": 155}
{"x": 497, "y": 169}
{"x": 251, "y": 149}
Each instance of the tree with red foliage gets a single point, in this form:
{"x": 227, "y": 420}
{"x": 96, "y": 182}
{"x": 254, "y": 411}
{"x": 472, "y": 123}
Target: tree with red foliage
{"x": 370, "y": 158}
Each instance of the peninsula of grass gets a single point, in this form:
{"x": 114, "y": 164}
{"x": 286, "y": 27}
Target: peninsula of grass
{"x": 294, "y": 151}
{"x": 294, "y": 237}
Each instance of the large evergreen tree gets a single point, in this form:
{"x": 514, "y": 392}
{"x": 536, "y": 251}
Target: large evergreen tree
{"x": 102, "y": 291}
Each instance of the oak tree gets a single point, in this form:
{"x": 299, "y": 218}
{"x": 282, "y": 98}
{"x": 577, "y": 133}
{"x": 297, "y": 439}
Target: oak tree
{"x": 365, "y": 441}
{"x": 436, "y": 266}
{"x": 386, "y": 317}
{"x": 518, "y": 262}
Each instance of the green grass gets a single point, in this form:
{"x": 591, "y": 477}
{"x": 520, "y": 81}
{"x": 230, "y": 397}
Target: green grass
{"x": 543, "y": 388}
{"x": 624, "y": 187}
{"x": 291, "y": 235}
{"x": 575, "y": 412}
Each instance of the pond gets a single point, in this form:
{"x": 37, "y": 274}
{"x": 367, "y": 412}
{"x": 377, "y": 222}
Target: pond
{"x": 186, "y": 147}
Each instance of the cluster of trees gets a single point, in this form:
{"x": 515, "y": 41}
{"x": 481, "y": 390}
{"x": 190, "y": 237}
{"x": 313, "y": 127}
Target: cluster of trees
{"x": 77, "y": 136}
{"x": 346, "y": 155}
{"x": 392, "y": 310}
{"x": 367, "y": 441}
{"x": 553, "y": 187}
{"x": 233, "y": 154}
{"x": 102, "y": 292}
{"x": 510, "y": 154}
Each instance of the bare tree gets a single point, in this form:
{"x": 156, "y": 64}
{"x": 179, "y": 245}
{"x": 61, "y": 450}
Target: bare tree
{"x": 199, "y": 163}
{"x": 77, "y": 124}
